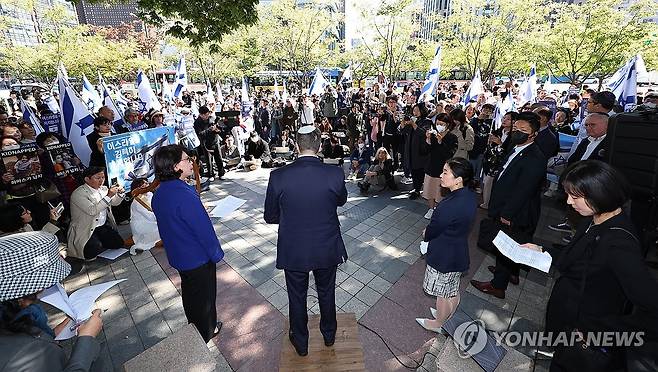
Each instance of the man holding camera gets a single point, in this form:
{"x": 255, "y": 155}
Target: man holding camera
{"x": 209, "y": 137}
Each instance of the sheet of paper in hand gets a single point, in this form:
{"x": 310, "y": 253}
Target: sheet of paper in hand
{"x": 78, "y": 306}
{"x": 513, "y": 250}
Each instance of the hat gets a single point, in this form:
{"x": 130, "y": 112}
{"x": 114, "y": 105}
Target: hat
{"x": 29, "y": 262}
{"x": 651, "y": 95}
{"x": 156, "y": 113}
{"x": 306, "y": 129}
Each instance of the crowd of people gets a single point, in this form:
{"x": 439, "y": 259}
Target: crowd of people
{"x": 443, "y": 149}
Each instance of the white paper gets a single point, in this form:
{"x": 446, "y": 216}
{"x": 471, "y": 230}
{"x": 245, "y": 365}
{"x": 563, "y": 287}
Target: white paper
{"x": 423, "y": 247}
{"x": 513, "y": 250}
{"x": 225, "y": 207}
{"x": 113, "y": 254}
{"x": 78, "y": 306}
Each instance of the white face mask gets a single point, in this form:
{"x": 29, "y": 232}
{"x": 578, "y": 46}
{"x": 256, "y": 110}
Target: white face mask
{"x": 440, "y": 128}
{"x": 362, "y": 146}
{"x": 11, "y": 147}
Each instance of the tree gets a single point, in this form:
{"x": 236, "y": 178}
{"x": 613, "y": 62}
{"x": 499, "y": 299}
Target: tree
{"x": 491, "y": 36}
{"x": 592, "y": 39}
{"x": 199, "y": 21}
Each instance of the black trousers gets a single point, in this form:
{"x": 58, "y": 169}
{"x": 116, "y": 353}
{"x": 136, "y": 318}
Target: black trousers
{"x": 199, "y": 293}
{"x": 215, "y": 155}
{"x": 103, "y": 238}
{"x": 504, "y": 266}
{"x": 391, "y": 143}
{"x": 297, "y": 285}
{"x": 418, "y": 177}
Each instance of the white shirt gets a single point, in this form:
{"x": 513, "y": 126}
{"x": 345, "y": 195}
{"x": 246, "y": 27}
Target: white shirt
{"x": 98, "y": 195}
{"x": 591, "y": 146}
{"x": 517, "y": 150}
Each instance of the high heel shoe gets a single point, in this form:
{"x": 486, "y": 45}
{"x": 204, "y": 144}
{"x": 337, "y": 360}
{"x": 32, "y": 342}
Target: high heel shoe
{"x": 421, "y": 321}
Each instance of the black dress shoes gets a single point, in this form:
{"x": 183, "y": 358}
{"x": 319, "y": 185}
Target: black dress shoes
{"x": 299, "y": 350}
{"x": 329, "y": 342}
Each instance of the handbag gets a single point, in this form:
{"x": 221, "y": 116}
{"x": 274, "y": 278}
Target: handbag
{"x": 45, "y": 194}
{"x": 581, "y": 356}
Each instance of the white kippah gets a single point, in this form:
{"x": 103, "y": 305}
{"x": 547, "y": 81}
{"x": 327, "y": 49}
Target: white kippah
{"x": 306, "y": 129}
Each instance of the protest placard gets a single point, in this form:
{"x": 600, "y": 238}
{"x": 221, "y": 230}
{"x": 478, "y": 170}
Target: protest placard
{"x": 52, "y": 123}
{"x": 23, "y": 164}
{"x": 64, "y": 160}
{"x": 129, "y": 156}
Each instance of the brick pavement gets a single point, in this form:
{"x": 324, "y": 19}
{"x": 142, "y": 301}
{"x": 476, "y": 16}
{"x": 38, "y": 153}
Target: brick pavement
{"x": 381, "y": 283}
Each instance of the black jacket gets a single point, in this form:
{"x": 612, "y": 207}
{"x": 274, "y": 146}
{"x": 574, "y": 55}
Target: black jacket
{"x": 97, "y": 158}
{"x": 548, "y": 142}
{"x": 516, "y": 193}
{"x": 481, "y": 129}
{"x": 208, "y": 137}
{"x": 599, "y": 152}
{"x": 413, "y": 141}
{"x": 439, "y": 153}
{"x": 609, "y": 257}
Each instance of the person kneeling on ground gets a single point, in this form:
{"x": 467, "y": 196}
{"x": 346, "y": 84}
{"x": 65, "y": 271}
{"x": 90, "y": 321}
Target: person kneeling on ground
{"x": 257, "y": 152}
{"x": 380, "y": 173}
{"x": 143, "y": 224}
{"x": 93, "y": 228}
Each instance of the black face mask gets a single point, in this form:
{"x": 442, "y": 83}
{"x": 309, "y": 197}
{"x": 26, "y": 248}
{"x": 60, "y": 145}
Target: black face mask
{"x": 518, "y": 137}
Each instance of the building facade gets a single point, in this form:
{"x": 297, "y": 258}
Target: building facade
{"x": 108, "y": 15}
{"x": 27, "y": 24}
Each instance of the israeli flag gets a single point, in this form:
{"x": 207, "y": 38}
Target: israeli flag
{"x": 181, "y": 78}
{"x": 276, "y": 90}
{"x": 77, "y": 121}
{"x": 474, "y": 90}
{"x": 432, "y": 78}
{"x": 244, "y": 97}
{"x": 220, "y": 95}
{"x": 318, "y": 84}
{"x": 52, "y": 104}
{"x": 210, "y": 95}
{"x": 624, "y": 84}
{"x": 147, "y": 99}
{"x": 109, "y": 102}
{"x": 528, "y": 90}
{"x": 30, "y": 117}
{"x": 167, "y": 94}
{"x": 347, "y": 76}
{"x": 284, "y": 96}
{"x": 90, "y": 95}
{"x": 503, "y": 107}
{"x": 548, "y": 86}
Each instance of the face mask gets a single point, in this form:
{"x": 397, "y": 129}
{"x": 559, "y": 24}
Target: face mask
{"x": 361, "y": 146}
{"x": 51, "y": 142}
{"x": 12, "y": 147}
{"x": 254, "y": 139}
{"x": 517, "y": 137}
{"x": 440, "y": 128}
{"x": 413, "y": 119}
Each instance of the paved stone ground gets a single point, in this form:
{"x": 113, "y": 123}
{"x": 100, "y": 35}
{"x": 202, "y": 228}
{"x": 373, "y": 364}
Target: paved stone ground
{"x": 381, "y": 283}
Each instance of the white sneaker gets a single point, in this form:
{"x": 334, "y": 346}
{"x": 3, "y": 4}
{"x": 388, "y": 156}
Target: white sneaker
{"x": 406, "y": 180}
{"x": 423, "y": 247}
{"x": 428, "y": 215}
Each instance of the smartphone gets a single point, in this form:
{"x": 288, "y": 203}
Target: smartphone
{"x": 115, "y": 182}
{"x": 59, "y": 209}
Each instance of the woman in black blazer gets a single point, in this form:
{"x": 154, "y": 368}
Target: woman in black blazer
{"x": 604, "y": 285}
{"x": 447, "y": 234}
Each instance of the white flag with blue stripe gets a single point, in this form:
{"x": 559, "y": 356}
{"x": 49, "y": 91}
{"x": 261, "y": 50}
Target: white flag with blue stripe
{"x": 30, "y": 117}
{"x": 284, "y": 96}
{"x": 180, "y": 84}
{"x": 244, "y": 97}
{"x": 318, "y": 84}
{"x": 277, "y": 95}
{"x": 503, "y": 107}
{"x": 474, "y": 89}
{"x": 624, "y": 84}
{"x": 432, "y": 78}
{"x": 90, "y": 95}
{"x": 220, "y": 95}
{"x": 147, "y": 98}
{"x": 109, "y": 102}
{"x": 77, "y": 121}
{"x": 210, "y": 95}
{"x": 528, "y": 90}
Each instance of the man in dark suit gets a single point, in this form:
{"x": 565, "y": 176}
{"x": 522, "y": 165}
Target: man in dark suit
{"x": 515, "y": 198}
{"x": 302, "y": 198}
{"x": 547, "y": 137}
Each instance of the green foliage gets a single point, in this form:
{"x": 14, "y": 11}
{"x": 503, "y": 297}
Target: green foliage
{"x": 592, "y": 39}
{"x": 198, "y": 21}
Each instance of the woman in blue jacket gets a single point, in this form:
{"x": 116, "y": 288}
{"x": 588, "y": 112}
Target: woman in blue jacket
{"x": 447, "y": 234}
{"x": 189, "y": 238}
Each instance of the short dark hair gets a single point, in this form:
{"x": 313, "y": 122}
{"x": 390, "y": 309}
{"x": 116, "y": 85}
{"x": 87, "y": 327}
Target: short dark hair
{"x": 165, "y": 160}
{"x": 531, "y": 118}
{"x": 310, "y": 141}
{"x": 459, "y": 115}
{"x": 463, "y": 168}
{"x": 545, "y": 112}
{"x": 603, "y": 187}
{"x": 422, "y": 107}
{"x": 10, "y": 218}
{"x": 90, "y": 171}
{"x": 204, "y": 110}
{"x": 100, "y": 120}
{"x": 605, "y": 99}
{"x": 512, "y": 114}
{"x": 488, "y": 106}
{"x": 137, "y": 183}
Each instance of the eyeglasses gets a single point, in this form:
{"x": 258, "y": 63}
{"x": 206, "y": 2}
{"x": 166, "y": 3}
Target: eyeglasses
{"x": 188, "y": 159}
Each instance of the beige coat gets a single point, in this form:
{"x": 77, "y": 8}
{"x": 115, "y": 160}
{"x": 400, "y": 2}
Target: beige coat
{"x": 465, "y": 142}
{"x": 86, "y": 206}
